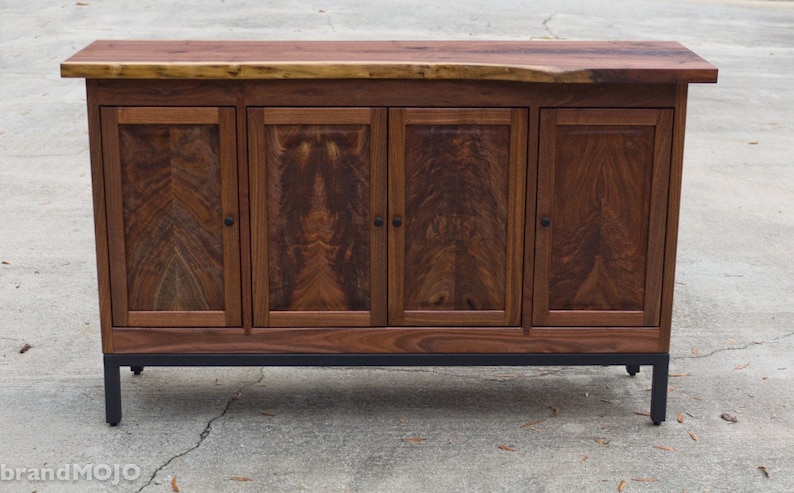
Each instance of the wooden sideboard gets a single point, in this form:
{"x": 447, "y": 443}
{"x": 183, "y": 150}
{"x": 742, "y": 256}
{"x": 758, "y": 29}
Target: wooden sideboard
{"x": 386, "y": 203}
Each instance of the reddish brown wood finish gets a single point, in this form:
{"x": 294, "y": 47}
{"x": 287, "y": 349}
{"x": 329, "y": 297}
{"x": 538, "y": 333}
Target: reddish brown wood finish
{"x": 603, "y": 178}
{"x": 349, "y": 340}
{"x": 100, "y": 216}
{"x": 545, "y": 61}
{"x": 377, "y": 93}
{"x": 317, "y": 179}
{"x": 673, "y": 207}
{"x": 506, "y": 297}
{"x": 452, "y": 183}
{"x": 171, "y": 180}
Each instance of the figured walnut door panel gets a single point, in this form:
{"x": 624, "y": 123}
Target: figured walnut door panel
{"x": 171, "y": 181}
{"x": 318, "y": 181}
{"x": 601, "y": 216}
{"x": 456, "y": 187}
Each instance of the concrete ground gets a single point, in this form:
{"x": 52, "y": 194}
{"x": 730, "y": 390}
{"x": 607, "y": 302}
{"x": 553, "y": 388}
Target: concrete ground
{"x": 421, "y": 429}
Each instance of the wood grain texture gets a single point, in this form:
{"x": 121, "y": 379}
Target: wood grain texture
{"x": 545, "y": 61}
{"x": 380, "y": 92}
{"x": 600, "y": 241}
{"x": 318, "y": 216}
{"x": 171, "y": 195}
{"x": 604, "y": 190}
{"x": 673, "y": 208}
{"x": 418, "y": 340}
{"x": 316, "y": 176}
{"x": 100, "y": 216}
{"x": 171, "y": 182}
{"x": 456, "y": 216}
{"x": 451, "y": 179}
{"x": 302, "y": 330}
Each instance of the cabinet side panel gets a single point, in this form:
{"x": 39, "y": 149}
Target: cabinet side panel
{"x": 100, "y": 216}
{"x": 318, "y": 202}
{"x": 456, "y": 205}
{"x": 171, "y": 183}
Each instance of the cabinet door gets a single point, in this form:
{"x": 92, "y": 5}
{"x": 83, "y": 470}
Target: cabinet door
{"x": 171, "y": 183}
{"x": 456, "y": 203}
{"x": 318, "y": 183}
{"x": 600, "y": 226}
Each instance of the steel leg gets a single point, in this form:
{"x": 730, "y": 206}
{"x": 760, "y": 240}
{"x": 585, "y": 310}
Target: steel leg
{"x": 112, "y": 393}
{"x": 633, "y": 369}
{"x": 659, "y": 390}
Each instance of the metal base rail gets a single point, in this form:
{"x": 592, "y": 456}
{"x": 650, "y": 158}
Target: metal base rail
{"x": 659, "y": 361}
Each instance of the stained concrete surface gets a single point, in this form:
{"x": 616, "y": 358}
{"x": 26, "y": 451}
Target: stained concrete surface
{"x": 361, "y": 430}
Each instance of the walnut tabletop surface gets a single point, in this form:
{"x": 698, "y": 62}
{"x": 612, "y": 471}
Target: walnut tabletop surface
{"x": 665, "y": 62}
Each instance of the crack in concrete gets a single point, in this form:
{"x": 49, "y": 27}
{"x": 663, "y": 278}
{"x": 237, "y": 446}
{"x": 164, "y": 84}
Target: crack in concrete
{"x": 545, "y": 370}
{"x": 208, "y": 429}
{"x": 330, "y": 24}
{"x": 546, "y": 25}
{"x": 206, "y": 432}
{"x": 738, "y": 348}
{"x": 427, "y": 370}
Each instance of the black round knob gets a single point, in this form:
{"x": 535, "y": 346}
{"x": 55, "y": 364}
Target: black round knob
{"x": 379, "y": 221}
{"x": 396, "y": 222}
{"x": 545, "y": 222}
{"x": 229, "y": 221}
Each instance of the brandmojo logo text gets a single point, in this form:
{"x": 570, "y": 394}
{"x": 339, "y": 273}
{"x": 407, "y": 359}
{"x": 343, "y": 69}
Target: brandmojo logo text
{"x": 114, "y": 473}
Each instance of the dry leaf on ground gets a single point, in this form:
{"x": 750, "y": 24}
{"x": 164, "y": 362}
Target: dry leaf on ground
{"x": 269, "y": 415}
{"x": 601, "y": 441}
{"x": 6, "y": 262}
{"x": 695, "y": 351}
{"x": 662, "y": 447}
{"x": 694, "y": 437}
{"x": 679, "y": 374}
{"x": 506, "y": 448}
{"x": 729, "y": 417}
{"x": 622, "y": 485}
{"x": 413, "y": 439}
{"x": 742, "y": 367}
{"x": 645, "y": 480}
{"x": 764, "y": 470}
{"x": 642, "y": 413}
{"x": 174, "y": 487}
{"x": 554, "y": 410}
{"x": 680, "y": 417}
{"x": 24, "y": 349}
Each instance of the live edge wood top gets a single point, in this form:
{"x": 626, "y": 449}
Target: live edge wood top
{"x": 524, "y": 61}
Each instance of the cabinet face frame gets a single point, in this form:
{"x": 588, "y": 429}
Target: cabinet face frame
{"x": 230, "y": 313}
{"x": 259, "y": 119}
{"x": 652, "y": 241}
{"x": 511, "y": 291}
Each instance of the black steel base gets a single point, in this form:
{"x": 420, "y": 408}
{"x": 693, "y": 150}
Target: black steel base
{"x": 633, "y": 361}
